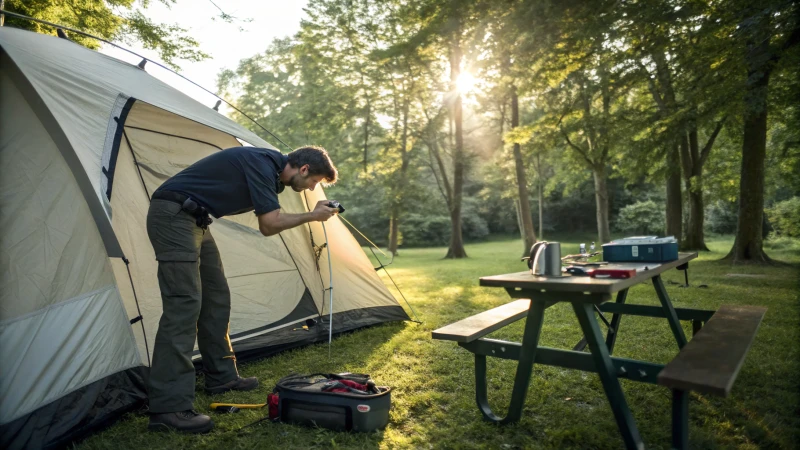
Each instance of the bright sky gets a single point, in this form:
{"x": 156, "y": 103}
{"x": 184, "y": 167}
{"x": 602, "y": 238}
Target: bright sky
{"x": 225, "y": 42}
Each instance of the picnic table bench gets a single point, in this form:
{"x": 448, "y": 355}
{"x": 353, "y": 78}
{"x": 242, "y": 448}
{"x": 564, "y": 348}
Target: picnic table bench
{"x": 708, "y": 363}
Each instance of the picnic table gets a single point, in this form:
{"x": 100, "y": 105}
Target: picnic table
{"x": 708, "y": 363}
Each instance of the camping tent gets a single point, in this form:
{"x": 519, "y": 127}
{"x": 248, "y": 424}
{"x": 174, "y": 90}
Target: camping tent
{"x": 84, "y": 140}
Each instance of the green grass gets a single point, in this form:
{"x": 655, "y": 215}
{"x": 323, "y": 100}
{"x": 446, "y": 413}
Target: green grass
{"x": 433, "y": 382}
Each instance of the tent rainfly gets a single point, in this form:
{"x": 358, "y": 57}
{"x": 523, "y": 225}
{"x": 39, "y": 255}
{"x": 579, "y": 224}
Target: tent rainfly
{"x": 84, "y": 140}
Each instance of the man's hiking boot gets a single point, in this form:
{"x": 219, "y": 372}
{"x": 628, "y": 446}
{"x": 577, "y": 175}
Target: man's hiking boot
{"x": 239, "y": 384}
{"x": 183, "y": 421}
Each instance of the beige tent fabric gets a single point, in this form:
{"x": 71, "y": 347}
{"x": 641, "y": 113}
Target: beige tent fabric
{"x": 49, "y": 243}
{"x": 356, "y": 285}
{"x": 65, "y": 305}
{"x": 57, "y": 281}
{"x": 155, "y": 119}
{"x": 168, "y": 131}
{"x": 80, "y": 87}
{"x": 264, "y": 280}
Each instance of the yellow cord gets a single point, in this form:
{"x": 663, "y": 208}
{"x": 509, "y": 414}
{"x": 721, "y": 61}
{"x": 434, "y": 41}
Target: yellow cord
{"x": 240, "y": 406}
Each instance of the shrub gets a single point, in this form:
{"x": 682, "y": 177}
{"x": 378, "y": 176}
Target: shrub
{"x": 721, "y": 217}
{"x": 421, "y": 230}
{"x": 642, "y": 218}
{"x": 474, "y": 227}
{"x": 785, "y": 217}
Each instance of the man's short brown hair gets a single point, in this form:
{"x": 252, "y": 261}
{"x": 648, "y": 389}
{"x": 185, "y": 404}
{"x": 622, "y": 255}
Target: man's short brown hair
{"x": 319, "y": 163}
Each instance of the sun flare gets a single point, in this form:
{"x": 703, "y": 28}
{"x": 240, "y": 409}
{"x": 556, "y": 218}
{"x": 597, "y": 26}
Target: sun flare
{"x": 465, "y": 82}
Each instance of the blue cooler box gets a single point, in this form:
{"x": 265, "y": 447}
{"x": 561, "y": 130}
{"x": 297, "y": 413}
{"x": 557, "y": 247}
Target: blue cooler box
{"x": 641, "y": 248}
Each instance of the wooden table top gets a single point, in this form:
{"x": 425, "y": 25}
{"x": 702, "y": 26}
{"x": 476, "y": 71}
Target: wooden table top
{"x": 569, "y": 283}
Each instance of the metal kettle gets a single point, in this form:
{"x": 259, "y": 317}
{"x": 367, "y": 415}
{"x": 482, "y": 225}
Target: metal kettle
{"x": 545, "y": 259}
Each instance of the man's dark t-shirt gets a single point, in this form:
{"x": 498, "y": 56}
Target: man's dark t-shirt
{"x": 233, "y": 181}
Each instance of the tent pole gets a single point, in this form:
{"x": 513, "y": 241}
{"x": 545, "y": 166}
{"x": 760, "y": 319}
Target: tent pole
{"x": 330, "y": 290}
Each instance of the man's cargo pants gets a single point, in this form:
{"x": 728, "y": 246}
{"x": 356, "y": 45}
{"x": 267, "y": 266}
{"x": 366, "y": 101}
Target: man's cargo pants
{"x": 196, "y": 305}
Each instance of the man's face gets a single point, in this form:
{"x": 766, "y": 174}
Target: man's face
{"x": 302, "y": 180}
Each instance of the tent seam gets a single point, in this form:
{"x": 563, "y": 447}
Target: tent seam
{"x": 57, "y": 305}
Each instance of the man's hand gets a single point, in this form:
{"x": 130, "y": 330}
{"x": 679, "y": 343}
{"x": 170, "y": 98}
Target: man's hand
{"x": 323, "y": 212}
{"x": 274, "y": 222}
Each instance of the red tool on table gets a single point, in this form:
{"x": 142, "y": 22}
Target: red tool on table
{"x": 613, "y": 273}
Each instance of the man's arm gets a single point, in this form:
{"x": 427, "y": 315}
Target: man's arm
{"x": 274, "y": 222}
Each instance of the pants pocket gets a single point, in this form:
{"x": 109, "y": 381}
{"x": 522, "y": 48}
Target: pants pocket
{"x": 179, "y": 278}
{"x": 173, "y": 233}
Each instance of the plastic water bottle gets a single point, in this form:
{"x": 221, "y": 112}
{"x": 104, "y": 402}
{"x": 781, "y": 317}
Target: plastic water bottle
{"x": 583, "y": 248}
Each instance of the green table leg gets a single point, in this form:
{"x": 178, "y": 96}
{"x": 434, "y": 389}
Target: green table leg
{"x": 697, "y": 325}
{"x": 530, "y": 340}
{"x": 611, "y": 336}
{"x": 608, "y": 375}
{"x": 680, "y": 419}
{"x": 669, "y": 311}
{"x": 613, "y": 329}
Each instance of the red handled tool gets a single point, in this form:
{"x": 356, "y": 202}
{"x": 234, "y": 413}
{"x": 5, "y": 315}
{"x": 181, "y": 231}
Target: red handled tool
{"x": 613, "y": 273}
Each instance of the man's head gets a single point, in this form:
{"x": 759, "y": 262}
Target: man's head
{"x": 307, "y": 167}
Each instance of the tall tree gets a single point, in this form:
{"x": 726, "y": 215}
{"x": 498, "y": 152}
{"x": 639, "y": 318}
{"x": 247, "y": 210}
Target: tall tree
{"x": 456, "y": 247}
{"x": 524, "y": 210}
{"x": 442, "y": 27}
{"x": 675, "y": 46}
{"x": 768, "y": 31}
{"x": 497, "y": 37}
{"x": 693, "y": 159}
{"x": 580, "y": 84}
{"x": 591, "y": 139}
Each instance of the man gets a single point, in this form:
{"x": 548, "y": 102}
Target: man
{"x": 194, "y": 292}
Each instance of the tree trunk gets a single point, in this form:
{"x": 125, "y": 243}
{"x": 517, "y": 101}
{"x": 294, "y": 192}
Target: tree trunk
{"x": 524, "y": 210}
{"x": 601, "y": 199}
{"x": 520, "y": 226}
{"x": 748, "y": 246}
{"x": 693, "y": 180}
{"x": 666, "y": 103}
{"x": 394, "y": 234}
{"x": 366, "y": 132}
{"x": 394, "y": 230}
{"x": 674, "y": 201}
{"x": 456, "y": 249}
{"x": 695, "y": 239}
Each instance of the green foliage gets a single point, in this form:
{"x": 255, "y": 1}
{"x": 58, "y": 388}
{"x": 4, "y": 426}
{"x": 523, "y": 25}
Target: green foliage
{"x": 420, "y": 230}
{"x": 785, "y": 217}
{"x": 721, "y": 217}
{"x": 425, "y": 230}
{"x": 111, "y": 20}
{"x": 607, "y": 87}
{"x": 642, "y": 218}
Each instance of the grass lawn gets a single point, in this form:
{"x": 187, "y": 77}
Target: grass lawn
{"x": 433, "y": 402}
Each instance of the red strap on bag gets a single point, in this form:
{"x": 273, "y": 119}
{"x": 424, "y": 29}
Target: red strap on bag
{"x": 272, "y": 403}
{"x": 354, "y": 385}
{"x": 345, "y": 386}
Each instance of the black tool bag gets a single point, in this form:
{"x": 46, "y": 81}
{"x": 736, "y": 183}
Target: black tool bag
{"x": 331, "y": 401}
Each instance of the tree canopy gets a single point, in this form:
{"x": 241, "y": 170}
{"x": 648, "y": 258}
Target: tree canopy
{"x": 453, "y": 119}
